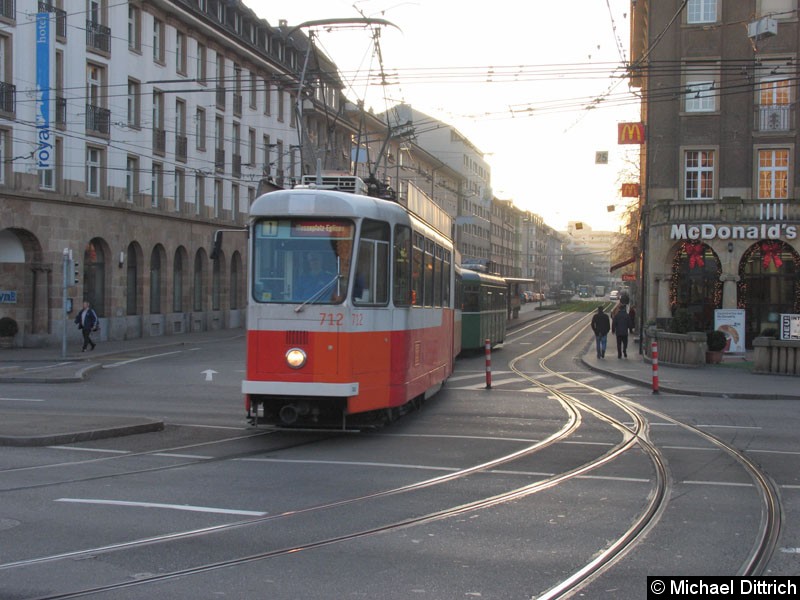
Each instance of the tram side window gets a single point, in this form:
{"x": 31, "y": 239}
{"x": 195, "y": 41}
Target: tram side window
{"x": 430, "y": 249}
{"x": 417, "y": 270}
{"x": 446, "y": 278}
{"x": 437, "y": 277}
{"x": 371, "y": 284}
{"x": 471, "y": 299}
{"x": 402, "y": 266}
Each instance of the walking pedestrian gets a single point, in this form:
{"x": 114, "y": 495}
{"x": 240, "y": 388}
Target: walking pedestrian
{"x": 87, "y": 322}
{"x": 620, "y": 326}
{"x": 601, "y": 325}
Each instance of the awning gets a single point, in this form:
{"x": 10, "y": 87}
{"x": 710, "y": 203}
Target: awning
{"x": 624, "y": 263}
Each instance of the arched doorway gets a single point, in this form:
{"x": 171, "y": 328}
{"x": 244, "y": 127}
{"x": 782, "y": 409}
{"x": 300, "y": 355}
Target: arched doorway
{"x": 768, "y": 286}
{"x": 695, "y": 284}
{"x": 94, "y": 276}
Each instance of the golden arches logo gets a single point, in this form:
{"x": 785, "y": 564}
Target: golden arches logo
{"x": 630, "y": 133}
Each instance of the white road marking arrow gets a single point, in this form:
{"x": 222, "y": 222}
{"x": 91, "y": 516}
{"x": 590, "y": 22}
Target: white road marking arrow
{"x": 209, "y": 374}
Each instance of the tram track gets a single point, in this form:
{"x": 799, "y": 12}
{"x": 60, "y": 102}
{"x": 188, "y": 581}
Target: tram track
{"x": 632, "y": 435}
{"x": 766, "y": 539}
{"x": 572, "y": 423}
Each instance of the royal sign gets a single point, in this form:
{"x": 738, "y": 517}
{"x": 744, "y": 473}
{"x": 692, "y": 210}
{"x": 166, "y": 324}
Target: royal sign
{"x": 630, "y": 133}
{"x": 44, "y": 155}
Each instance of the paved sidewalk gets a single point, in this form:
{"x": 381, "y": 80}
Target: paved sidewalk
{"x": 731, "y": 379}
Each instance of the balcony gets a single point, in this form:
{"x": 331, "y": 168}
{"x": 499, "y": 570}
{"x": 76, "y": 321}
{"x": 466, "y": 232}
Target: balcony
{"x": 61, "y": 17}
{"x": 98, "y": 36}
{"x": 98, "y": 120}
{"x": 159, "y": 140}
{"x": 774, "y": 118}
{"x": 181, "y": 145}
{"x": 8, "y": 95}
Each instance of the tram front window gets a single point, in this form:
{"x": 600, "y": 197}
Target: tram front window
{"x": 301, "y": 260}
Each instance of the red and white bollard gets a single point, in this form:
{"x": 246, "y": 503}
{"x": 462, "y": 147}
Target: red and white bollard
{"x": 488, "y": 364}
{"x": 654, "y": 360}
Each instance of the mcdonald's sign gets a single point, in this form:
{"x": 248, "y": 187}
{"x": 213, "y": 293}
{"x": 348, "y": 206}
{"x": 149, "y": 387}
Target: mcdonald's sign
{"x": 630, "y": 133}
{"x": 630, "y": 190}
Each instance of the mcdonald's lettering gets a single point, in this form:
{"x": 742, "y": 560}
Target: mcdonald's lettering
{"x": 630, "y": 190}
{"x": 630, "y": 133}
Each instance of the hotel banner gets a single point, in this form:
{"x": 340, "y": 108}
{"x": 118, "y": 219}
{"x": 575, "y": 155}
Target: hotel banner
{"x": 45, "y": 64}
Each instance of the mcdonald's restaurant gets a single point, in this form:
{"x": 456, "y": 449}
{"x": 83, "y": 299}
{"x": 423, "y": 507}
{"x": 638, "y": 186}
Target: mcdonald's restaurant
{"x": 735, "y": 254}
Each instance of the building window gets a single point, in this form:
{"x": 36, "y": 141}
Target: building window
{"x": 774, "y": 105}
{"x": 701, "y": 11}
{"x": 134, "y": 103}
{"x": 700, "y": 96}
{"x": 158, "y": 41}
{"x": 180, "y": 52}
{"x": 48, "y": 178}
{"x": 156, "y": 185}
{"x": 180, "y": 185}
{"x": 131, "y": 178}
{"x": 699, "y": 174}
{"x": 199, "y": 193}
{"x": 94, "y": 164}
{"x": 200, "y": 64}
{"x": 134, "y": 28}
{"x": 200, "y": 129}
{"x": 773, "y": 174}
{"x": 217, "y": 198}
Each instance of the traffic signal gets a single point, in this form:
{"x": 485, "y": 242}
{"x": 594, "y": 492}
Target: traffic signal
{"x": 76, "y": 272}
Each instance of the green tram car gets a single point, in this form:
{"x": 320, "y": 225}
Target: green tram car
{"x": 485, "y": 310}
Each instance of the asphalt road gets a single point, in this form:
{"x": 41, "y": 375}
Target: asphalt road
{"x": 464, "y": 498}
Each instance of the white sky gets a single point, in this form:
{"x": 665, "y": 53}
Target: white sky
{"x": 553, "y": 57}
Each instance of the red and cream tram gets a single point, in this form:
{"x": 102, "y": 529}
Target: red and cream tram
{"x": 351, "y": 309}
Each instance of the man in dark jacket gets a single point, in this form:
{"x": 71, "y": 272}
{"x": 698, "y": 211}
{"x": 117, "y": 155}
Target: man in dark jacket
{"x": 601, "y": 325}
{"x": 620, "y": 326}
{"x": 86, "y": 322}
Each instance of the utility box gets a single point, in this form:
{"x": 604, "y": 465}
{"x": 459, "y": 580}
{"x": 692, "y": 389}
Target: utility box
{"x": 762, "y": 28}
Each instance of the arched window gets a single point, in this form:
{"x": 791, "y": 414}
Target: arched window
{"x": 155, "y": 281}
{"x": 199, "y": 293}
{"x": 216, "y": 284}
{"x": 177, "y": 282}
{"x": 695, "y": 284}
{"x": 132, "y": 282}
{"x": 94, "y": 276}
{"x": 236, "y": 269}
{"x": 768, "y": 285}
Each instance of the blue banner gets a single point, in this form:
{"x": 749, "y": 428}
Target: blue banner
{"x": 45, "y": 154}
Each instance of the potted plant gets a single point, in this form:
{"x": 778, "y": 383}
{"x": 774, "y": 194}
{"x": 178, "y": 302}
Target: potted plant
{"x": 8, "y": 329}
{"x": 716, "y": 341}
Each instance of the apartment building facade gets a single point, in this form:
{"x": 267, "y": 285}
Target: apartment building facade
{"x": 166, "y": 119}
{"x": 719, "y": 159}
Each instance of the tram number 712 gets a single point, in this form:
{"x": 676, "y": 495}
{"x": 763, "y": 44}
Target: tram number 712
{"x": 337, "y": 319}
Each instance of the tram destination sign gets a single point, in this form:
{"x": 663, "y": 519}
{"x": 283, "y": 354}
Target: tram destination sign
{"x": 709, "y": 231}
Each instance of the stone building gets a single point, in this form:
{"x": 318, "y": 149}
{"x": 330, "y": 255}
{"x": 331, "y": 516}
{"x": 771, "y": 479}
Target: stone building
{"x": 719, "y": 161}
{"x": 129, "y": 133}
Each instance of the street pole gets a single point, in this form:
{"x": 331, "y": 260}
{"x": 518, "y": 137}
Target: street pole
{"x": 65, "y": 262}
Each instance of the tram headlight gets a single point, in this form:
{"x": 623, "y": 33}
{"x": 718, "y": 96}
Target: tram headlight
{"x": 295, "y": 358}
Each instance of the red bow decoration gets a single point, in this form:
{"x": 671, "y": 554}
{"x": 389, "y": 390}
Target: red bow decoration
{"x": 771, "y": 252}
{"x": 695, "y": 252}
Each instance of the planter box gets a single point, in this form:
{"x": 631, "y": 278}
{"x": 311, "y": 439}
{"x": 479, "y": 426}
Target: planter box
{"x": 684, "y": 349}
{"x": 781, "y": 357}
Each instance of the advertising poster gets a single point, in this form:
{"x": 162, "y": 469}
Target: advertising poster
{"x": 730, "y": 321}
{"x": 790, "y": 327}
